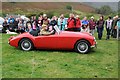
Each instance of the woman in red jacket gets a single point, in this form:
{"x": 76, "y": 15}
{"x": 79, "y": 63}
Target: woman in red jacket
{"x": 78, "y": 24}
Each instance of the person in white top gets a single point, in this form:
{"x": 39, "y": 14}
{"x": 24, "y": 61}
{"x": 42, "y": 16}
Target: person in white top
{"x": 108, "y": 24}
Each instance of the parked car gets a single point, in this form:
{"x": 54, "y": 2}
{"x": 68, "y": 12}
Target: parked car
{"x": 62, "y": 40}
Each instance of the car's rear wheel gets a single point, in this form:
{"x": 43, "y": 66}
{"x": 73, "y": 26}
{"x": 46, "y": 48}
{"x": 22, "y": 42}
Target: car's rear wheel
{"x": 26, "y": 44}
{"x": 82, "y": 46}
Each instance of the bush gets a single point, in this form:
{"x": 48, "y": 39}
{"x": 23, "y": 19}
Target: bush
{"x": 3, "y": 14}
{"x": 66, "y": 15}
{"x": 50, "y": 14}
{"x": 41, "y": 13}
{"x": 30, "y": 14}
{"x": 89, "y": 16}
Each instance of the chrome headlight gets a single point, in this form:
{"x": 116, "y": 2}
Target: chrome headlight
{"x": 95, "y": 40}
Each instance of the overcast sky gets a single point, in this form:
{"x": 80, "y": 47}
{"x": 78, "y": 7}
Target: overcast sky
{"x": 60, "y": 0}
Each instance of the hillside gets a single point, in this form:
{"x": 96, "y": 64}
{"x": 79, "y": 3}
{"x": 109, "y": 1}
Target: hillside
{"x": 113, "y": 5}
{"x": 39, "y": 6}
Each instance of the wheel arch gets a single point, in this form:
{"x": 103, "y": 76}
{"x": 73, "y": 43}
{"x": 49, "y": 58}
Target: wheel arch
{"x": 26, "y": 38}
{"x": 84, "y": 40}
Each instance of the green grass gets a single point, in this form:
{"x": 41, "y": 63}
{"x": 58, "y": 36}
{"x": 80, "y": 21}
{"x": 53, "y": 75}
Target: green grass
{"x": 0, "y": 56}
{"x": 99, "y": 63}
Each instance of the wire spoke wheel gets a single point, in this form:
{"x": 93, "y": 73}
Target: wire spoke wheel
{"x": 26, "y": 44}
{"x": 82, "y": 46}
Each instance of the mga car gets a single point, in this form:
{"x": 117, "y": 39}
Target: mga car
{"x": 80, "y": 42}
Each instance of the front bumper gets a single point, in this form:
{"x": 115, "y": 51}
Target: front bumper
{"x": 94, "y": 46}
{"x": 94, "y": 43}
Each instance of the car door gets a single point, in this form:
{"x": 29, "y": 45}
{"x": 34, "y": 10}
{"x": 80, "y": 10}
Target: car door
{"x": 46, "y": 41}
{"x": 65, "y": 41}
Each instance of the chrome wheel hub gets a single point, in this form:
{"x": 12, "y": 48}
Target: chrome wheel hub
{"x": 26, "y": 45}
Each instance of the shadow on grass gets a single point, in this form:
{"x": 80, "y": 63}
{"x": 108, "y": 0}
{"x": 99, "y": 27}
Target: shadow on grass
{"x": 60, "y": 51}
{"x": 52, "y": 50}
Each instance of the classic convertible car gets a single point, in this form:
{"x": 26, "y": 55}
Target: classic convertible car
{"x": 81, "y": 42}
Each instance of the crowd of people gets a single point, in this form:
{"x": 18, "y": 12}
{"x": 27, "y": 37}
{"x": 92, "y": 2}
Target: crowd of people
{"x": 44, "y": 25}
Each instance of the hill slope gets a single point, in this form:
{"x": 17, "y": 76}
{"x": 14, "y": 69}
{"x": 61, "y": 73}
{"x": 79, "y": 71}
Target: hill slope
{"x": 34, "y": 6}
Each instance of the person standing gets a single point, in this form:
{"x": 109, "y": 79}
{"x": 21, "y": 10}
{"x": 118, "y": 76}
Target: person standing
{"x": 61, "y": 22}
{"x": 24, "y": 24}
{"x": 85, "y": 25}
{"x": 52, "y": 23}
{"x": 34, "y": 27}
{"x": 16, "y": 24}
{"x": 112, "y": 29}
{"x": 92, "y": 25}
{"x": 71, "y": 23}
{"x": 5, "y": 26}
{"x": 108, "y": 24}
{"x": 11, "y": 26}
{"x": 78, "y": 24}
{"x": 11, "y": 19}
{"x": 29, "y": 25}
{"x": 21, "y": 27}
{"x": 118, "y": 28}
{"x": 45, "y": 22}
{"x": 100, "y": 27}
{"x": 40, "y": 21}
{"x": 114, "y": 26}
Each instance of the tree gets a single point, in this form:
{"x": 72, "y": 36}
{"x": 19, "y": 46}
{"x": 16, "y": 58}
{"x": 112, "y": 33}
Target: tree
{"x": 105, "y": 10}
{"x": 69, "y": 7}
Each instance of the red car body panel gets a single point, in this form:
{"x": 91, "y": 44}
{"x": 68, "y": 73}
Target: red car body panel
{"x": 64, "y": 40}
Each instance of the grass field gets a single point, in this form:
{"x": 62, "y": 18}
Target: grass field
{"x": 0, "y": 55}
{"x": 99, "y": 63}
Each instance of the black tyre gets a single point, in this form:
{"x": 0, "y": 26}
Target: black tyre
{"x": 82, "y": 46}
{"x": 26, "y": 44}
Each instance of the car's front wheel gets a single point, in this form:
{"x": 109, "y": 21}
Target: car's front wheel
{"x": 26, "y": 44}
{"x": 82, "y": 46}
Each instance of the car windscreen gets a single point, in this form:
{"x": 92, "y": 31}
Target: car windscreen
{"x": 57, "y": 29}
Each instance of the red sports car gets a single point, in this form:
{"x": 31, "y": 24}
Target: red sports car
{"x": 64, "y": 40}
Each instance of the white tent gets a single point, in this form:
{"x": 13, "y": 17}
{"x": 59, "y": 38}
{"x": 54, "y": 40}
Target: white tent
{"x": 1, "y": 20}
{"x": 24, "y": 17}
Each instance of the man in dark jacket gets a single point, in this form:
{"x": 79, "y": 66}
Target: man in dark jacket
{"x": 53, "y": 22}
